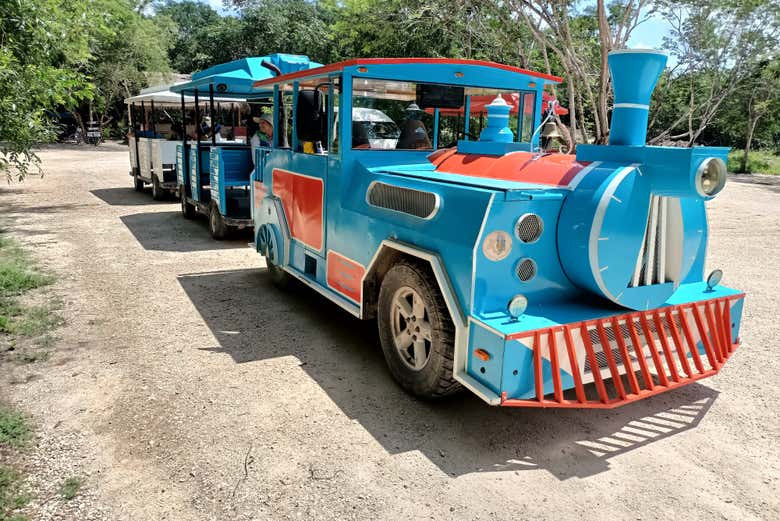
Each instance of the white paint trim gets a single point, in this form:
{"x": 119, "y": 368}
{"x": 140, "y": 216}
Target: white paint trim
{"x": 458, "y": 319}
{"x": 631, "y": 106}
{"x": 638, "y": 51}
{"x": 343, "y": 303}
{"x": 595, "y": 230}
{"x": 652, "y": 232}
{"x": 582, "y": 173}
{"x": 477, "y": 248}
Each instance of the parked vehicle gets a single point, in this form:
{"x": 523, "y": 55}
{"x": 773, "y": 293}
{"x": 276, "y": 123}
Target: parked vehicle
{"x": 94, "y": 133}
{"x": 155, "y": 134}
{"x": 519, "y": 275}
{"x": 214, "y": 175}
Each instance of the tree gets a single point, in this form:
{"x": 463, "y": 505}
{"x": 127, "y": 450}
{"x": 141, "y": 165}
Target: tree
{"x": 717, "y": 46}
{"x": 763, "y": 95}
{"x": 42, "y": 43}
{"x": 115, "y": 69}
{"x": 195, "y": 27}
{"x": 580, "y": 38}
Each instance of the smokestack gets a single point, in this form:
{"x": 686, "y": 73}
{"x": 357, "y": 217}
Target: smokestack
{"x": 634, "y": 75}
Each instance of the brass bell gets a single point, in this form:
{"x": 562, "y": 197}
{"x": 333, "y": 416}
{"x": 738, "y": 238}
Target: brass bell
{"x": 550, "y": 131}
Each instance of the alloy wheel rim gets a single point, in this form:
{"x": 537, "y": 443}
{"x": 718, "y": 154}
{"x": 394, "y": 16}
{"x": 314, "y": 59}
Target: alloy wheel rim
{"x": 411, "y": 328}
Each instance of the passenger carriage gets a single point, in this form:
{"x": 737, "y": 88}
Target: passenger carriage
{"x": 156, "y": 129}
{"x": 532, "y": 279}
{"x": 215, "y": 174}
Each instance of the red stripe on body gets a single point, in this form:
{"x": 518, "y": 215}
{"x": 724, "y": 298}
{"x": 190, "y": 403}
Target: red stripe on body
{"x": 345, "y": 276}
{"x": 526, "y": 167}
{"x": 301, "y": 198}
{"x": 259, "y": 193}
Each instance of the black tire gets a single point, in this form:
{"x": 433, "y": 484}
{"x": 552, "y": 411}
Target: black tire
{"x": 158, "y": 194}
{"x": 217, "y": 227}
{"x": 138, "y": 184}
{"x": 187, "y": 209}
{"x": 433, "y": 378}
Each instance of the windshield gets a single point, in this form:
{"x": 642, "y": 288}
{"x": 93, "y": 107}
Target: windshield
{"x": 401, "y": 115}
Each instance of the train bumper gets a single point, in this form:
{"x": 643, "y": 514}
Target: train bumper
{"x": 607, "y": 361}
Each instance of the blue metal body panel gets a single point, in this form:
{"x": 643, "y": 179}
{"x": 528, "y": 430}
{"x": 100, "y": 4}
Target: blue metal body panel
{"x": 588, "y": 257}
{"x": 183, "y": 168}
{"x": 231, "y": 172}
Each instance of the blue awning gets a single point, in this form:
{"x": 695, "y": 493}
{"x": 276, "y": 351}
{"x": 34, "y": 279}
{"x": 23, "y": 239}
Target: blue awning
{"x": 235, "y": 79}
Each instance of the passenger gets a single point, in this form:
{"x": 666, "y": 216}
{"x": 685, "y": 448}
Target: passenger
{"x": 414, "y": 135}
{"x": 264, "y": 135}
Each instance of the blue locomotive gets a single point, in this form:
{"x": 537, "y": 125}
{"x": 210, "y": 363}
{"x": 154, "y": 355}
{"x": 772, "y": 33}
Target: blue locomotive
{"x": 532, "y": 279}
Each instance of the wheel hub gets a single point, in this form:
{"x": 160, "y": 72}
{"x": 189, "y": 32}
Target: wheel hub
{"x": 411, "y": 328}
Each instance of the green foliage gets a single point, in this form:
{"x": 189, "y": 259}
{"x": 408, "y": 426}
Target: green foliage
{"x": 58, "y": 55}
{"x": 759, "y": 162}
{"x": 11, "y": 496}
{"x": 14, "y": 428}
{"x": 17, "y": 274}
{"x": 70, "y": 488}
{"x": 42, "y": 43}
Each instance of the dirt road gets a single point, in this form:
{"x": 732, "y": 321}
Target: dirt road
{"x": 185, "y": 387}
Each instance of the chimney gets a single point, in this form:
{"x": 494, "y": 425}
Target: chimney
{"x": 634, "y": 75}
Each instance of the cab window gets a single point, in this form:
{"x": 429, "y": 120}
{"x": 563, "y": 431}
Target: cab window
{"x": 386, "y": 115}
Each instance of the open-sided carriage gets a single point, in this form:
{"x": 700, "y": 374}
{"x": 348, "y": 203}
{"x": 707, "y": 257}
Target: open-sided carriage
{"x": 215, "y": 174}
{"x": 532, "y": 279}
{"x": 158, "y": 124}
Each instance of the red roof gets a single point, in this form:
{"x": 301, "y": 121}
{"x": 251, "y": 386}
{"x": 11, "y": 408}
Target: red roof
{"x": 392, "y": 61}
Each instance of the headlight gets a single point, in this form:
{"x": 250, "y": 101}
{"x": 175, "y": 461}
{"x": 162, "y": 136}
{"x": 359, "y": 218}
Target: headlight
{"x": 517, "y": 306}
{"x": 710, "y": 176}
{"x": 497, "y": 245}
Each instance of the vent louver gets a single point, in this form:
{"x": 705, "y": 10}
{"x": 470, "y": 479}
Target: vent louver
{"x": 658, "y": 262}
{"x": 405, "y": 200}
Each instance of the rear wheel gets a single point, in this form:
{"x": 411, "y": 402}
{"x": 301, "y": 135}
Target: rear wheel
{"x": 158, "y": 194}
{"x": 138, "y": 183}
{"x": 217, "y": 227}
{"x": 416, "y": 331}
{"x": 187, "y": 209}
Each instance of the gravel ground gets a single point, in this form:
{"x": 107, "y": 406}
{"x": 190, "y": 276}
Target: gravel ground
{"x": 185, "y": 387}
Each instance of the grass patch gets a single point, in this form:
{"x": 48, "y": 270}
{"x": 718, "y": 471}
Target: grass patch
{"x": 17, "y": 272}
{"x": 18, "y": 275}
{"x": 70, "y": 488}
{"x": 11, "y": 496}
{"x": 759, "y": 162}
{"x": 14, "y": 428}
{"x": 32, "y": 321}
{"x": 30, "y": 357}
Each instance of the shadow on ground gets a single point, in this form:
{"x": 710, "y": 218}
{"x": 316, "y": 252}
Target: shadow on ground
{"x": 768, "y": 182}
{"x": 460, "y": 435}
{"x": 170, "y": 231}
{"x": 128, "y": 196}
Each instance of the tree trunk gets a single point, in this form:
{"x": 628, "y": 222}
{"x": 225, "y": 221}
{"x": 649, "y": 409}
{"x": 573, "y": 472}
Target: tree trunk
{"x": 753, "y": 118}
{"x": 605, "y": 39}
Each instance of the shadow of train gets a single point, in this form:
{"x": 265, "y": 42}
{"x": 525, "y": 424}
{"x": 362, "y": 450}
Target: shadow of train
{"x": 253, "y": 321}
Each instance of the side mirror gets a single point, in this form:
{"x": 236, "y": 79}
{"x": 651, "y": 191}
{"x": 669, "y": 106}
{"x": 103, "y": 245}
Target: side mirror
{"x": 311, "y": 118}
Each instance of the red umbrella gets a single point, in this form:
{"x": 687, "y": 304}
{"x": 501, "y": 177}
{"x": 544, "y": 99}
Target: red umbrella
{"x": 478, "y": 104}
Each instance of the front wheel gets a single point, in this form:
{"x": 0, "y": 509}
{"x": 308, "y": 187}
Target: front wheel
{"x": 217, "y": 227}
{"x": 138, "y": 183}
{"x": 416, "y": 331}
